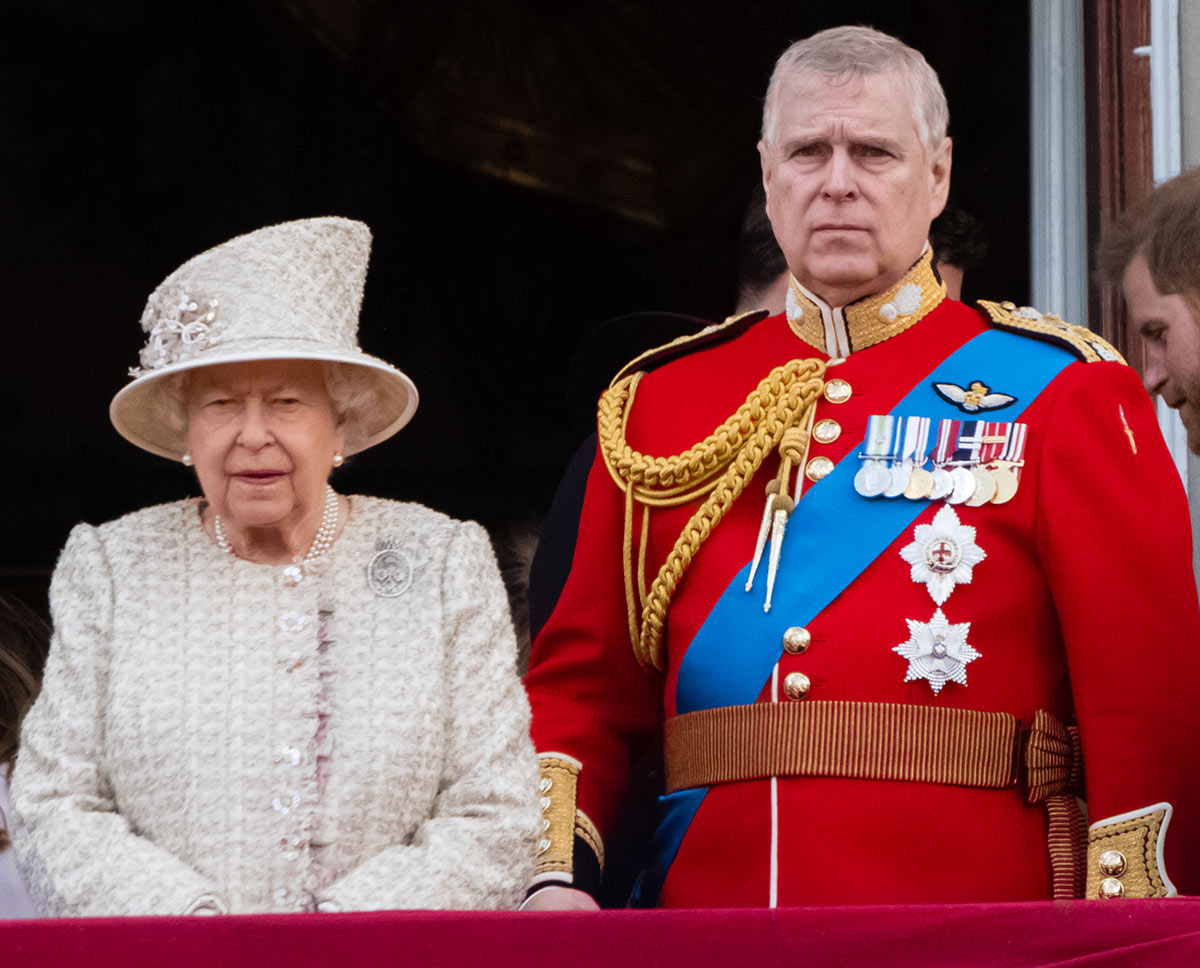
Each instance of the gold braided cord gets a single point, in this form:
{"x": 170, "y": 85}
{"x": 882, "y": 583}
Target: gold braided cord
{"x": 719, "y": 466}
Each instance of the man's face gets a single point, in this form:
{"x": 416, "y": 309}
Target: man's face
{"x": 851, "y": 187}
{"x": 1170, "y": 334}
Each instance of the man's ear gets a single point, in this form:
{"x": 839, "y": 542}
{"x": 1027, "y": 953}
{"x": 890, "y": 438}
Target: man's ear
{"x": 764, "y": 159}
{"x": 939, "y": 178}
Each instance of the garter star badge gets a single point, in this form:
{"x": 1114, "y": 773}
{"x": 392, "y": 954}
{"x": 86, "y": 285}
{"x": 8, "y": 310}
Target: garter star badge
{"x": 937, "y": 651}
{"x": 943, "y": 554}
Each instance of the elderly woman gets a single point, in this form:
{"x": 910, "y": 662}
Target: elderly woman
{"x": 278, "y": 697}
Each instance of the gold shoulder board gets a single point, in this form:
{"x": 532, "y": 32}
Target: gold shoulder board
{"x": 708, "y": 336}
{"x": 1027, "y": 321}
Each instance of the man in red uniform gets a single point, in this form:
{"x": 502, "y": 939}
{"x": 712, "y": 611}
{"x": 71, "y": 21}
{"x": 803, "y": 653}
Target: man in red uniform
{"x": 1154, "y": 254}
{"x": 893, "y": 579}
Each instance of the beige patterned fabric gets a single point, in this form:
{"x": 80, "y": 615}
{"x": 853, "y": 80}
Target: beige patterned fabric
{"x": 214, "y": 737}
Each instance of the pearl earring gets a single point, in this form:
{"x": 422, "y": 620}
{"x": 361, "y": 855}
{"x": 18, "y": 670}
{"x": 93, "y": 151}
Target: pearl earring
{"x": 187, "y": 460}
{"x": 338, "y": 460}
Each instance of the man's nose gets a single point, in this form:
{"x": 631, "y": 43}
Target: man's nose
{"x": 1154, "y": 373}
{"x": 839, "y": 174}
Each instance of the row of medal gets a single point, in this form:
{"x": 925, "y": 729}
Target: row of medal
{"x": 975, "y": 462}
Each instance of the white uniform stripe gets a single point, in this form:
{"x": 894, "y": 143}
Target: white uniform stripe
{"x": 773, "y": 886}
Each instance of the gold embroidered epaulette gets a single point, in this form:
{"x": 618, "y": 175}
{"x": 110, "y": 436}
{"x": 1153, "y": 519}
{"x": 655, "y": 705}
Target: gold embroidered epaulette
{"x": 709, "y": 336}
{"x": 1027, "y": 321}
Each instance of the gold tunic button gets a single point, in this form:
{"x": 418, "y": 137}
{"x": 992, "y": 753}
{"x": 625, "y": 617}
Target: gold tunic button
{"x": 796, "y": 685}
{"x": 1110, "y": 887}
{"x": 818, "y": 467}
{"x": 827, "y": 431}
{"x": 796, "y": 639}
{"x": 1112, "y": 863}
{"x": 837, "y": 391}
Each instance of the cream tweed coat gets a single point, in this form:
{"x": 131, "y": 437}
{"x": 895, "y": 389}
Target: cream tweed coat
{"x": 213, "y": 735}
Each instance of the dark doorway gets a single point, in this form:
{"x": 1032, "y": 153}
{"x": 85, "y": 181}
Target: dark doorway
{"x": 529, "y": 170}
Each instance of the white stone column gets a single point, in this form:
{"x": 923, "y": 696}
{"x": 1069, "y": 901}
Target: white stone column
{"x": 1189, "y": 117}
{"x": 1058, "y": 203}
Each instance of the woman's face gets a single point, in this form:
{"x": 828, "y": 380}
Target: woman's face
{"x": 262, "y": 436}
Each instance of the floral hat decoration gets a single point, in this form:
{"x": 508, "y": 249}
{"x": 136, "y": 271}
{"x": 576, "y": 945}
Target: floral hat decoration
{"x": 285, "y": 292}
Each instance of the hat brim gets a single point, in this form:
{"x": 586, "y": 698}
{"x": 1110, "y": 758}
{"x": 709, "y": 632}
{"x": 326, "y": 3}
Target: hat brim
{"x": 139, "y": 410}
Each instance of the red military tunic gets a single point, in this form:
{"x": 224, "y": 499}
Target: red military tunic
{"x": 1084, "y": 606}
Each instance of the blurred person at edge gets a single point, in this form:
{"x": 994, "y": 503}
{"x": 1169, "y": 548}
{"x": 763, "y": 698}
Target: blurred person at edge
{"x": 843, "y": 649}
{"x": 959, "y": 243}
{"x": 22, "y": 644}
{"x": 277, "y": 697}
{"x": 1153, "y": 255}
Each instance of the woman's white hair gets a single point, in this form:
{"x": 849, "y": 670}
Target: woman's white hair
{"x": 348, "y": 396}
{"x": 850, "y": 52}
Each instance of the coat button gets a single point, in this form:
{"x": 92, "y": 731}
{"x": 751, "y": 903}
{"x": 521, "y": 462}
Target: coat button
{"x": 796, "y": 639}
{"x": 817, "y": 468}
{"x": 292, "y": 622}
{"x": 1112, "y": 863}
{"x": 1110, "y": 887}
{"x": 827, "y": 431}
{"x": 838, "y": 391}
{"x": 796, "y": 685}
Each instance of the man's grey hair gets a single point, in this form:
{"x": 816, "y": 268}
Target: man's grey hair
{"x": 853, "y": 52}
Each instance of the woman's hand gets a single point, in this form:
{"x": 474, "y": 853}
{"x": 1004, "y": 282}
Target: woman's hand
{"x": 560, "y": 899}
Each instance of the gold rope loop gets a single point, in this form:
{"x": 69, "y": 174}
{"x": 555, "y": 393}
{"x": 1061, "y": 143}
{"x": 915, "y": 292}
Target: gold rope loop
{"x": 719, "y": 466}
{"x": 793, "y": 444}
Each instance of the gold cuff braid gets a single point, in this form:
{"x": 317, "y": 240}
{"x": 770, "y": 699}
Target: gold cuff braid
{"x": 1125, "y": 855}
{"x": 586, "y": 831}
{"x": 562, "y": 822}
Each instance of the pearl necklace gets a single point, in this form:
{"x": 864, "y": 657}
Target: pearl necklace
{"x": 321, "y": 542}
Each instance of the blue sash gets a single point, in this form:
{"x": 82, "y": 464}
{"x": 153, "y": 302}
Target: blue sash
{"x": 833, "y": 535}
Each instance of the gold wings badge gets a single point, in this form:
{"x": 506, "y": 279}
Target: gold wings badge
{"x": 976, "y": 398}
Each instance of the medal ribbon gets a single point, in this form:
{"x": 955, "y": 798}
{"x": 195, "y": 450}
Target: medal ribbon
{"x": 897, "y": 441}
{"x": 995, "y": 439}
{"x": 912, "y": 428}
{"x": 878, "y": 442}
{"x": 918, "y": 431}
{"x": 1014, "y": 447}
{"x": 947, "y": 432}
{"x": 970, "y": 442}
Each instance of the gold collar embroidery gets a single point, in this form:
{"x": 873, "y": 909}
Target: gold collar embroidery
{"x": 841, "y": 330}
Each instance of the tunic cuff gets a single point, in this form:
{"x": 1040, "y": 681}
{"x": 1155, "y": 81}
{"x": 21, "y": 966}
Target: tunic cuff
{"x": 1125, "y": 855}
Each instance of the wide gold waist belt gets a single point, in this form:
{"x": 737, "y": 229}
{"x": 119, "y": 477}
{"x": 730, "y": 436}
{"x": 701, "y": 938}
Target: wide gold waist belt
{"x": 871, "y": 741}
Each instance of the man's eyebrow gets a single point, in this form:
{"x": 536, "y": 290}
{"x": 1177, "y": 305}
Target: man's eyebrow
{"x": 875, "y": 141}
{"x": 805, "y": 137}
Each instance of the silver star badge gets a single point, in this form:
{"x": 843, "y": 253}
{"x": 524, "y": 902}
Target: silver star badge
{"x": 937, "y": 651}
{"x": 943, "y": 554}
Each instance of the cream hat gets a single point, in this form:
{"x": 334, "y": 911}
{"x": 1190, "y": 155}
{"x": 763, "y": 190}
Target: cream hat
{"x": 286, "y": 292}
